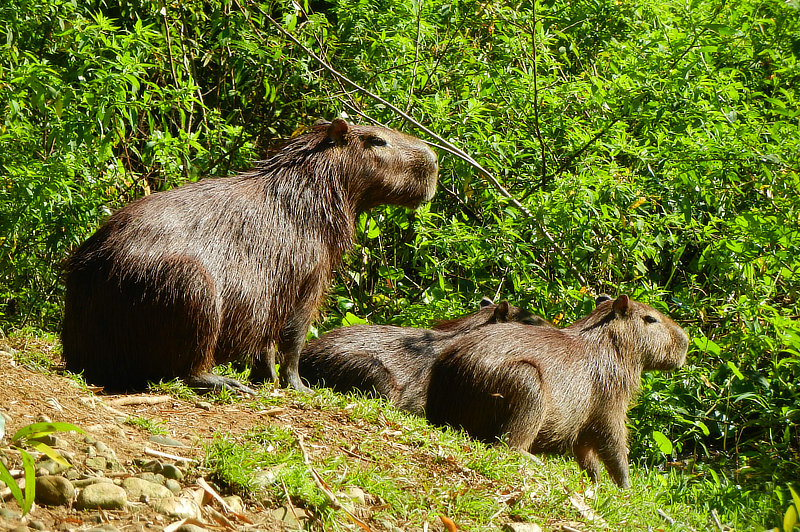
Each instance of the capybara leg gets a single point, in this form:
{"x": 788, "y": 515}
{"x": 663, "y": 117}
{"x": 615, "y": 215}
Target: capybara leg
{"x": 290, "y": 374}
{"x": 614, "y": 455}
{"x": 208, "y": 382}
{"x": 263, "y": 369}
{"x": 292, "y": 340}
{"x": 588, "y": 459}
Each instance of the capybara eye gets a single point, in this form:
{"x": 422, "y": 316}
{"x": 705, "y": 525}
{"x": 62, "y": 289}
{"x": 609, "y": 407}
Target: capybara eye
{"x": 374, "y": 140}
{"x": 650, "y": 319}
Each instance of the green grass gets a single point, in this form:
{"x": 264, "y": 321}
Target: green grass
{"x": 153, "y": 426}
{"x": 416, "y": 472}
{"x": 413, "y": 472}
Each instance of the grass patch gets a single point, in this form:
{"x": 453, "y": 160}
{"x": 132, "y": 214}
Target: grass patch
{"x": 157, "y": 427}
{"x": 412, "y": 473}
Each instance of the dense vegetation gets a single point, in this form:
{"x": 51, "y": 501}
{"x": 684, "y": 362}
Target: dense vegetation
{"x": 651, "y": 148}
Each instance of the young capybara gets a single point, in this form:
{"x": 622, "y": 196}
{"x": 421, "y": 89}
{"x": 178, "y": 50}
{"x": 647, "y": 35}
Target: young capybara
{"x": 179, "y": 281}
{"x": 392, "y": 361}
{"x": 556, "y": 390}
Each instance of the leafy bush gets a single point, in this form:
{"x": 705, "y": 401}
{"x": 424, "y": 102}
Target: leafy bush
{"x": 650, "y": 149}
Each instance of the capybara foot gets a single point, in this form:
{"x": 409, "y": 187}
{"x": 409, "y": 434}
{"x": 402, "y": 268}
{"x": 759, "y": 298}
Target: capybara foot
{"x": 208, "y": 382}
{"x": 293, "y": 381}
{"x": 263, "y": 373}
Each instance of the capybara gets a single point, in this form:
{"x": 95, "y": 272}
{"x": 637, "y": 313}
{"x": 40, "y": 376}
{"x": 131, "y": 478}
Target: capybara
{"x": 394, "y": 361}
{"x": 221, "y": 269}
{"x": 556, "y": 390}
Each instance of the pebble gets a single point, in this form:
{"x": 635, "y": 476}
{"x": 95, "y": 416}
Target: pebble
{"x": 52, "y": 467}
{"x": 203, "y": 405}
{"x": 98, "y": 463}
{"x": 54, "y": 490}
{"x": 170, "y": 471}
{"x": 165, "y": 440}
{"x": 188, "y": 527}
{"x": 136, "y": 488}
{"x": 102, "y": 495}
{"x": 522, "y": 527}
{"x": 176, "y": 507}
{"x": 82, "y": 483}
{"x": 172, "y": 485}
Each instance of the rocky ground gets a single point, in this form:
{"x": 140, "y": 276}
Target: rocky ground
{"x": 123, "y": 477}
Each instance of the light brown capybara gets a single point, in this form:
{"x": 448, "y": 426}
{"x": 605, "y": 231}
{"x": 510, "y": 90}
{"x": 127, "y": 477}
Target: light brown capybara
{"x": 556, "y": 390}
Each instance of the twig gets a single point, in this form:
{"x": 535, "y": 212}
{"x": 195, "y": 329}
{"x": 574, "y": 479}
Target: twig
{"x": 665, "y": 517}
{"x": 317, "y": 478}
{"x": 211, "y": 491}
{"x": 127, "y": 401}
{"x": 443, "y": 143}
{"x": 153, "y": 452}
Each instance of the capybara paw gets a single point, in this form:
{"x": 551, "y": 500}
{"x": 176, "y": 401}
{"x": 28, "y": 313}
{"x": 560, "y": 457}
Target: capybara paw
{"x": 209, "y": 382}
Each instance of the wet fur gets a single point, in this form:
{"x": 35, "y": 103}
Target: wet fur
{"x": 556, "y": 390}
{"x": 394, "y": 362}
{"x": 179, "y": 281}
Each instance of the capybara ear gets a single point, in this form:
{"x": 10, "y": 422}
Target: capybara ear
{"x": 621, "y": 305}
{"x": 337, "y": 130}
{"x": 602, "y": 297}
{"x": 485, "y": 302}
{"x": 502, "y": 311}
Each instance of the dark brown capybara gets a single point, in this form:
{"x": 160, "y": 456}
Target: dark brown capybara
{"x": 556, "y": 390}
{"x": 222, "y": 269}
{"x": 394, "y": 361}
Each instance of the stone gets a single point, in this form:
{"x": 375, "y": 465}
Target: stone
{"x": 165, "y": 440}
{"x": 235, "y": 502}
{"x": 522, "y": 527}
{"x": 52, "y": 490}
{"x": 289, "y": 520}
{"x": 98, "y": 463}
{"x": 170, "y": 471}
{"x": 136, "y": 488}
{"x": 172, "y": 485}
{"x": 102, "y": 495}
{"x": 152, "y": 466}
{"x": 37, "y": 525}
{"x": 52, "y": 467}
{"x": 203, "y": 405}
{"x": 82, "y": 483}
{"x": 158, "y": 478}
{"x": 176, "y": 507}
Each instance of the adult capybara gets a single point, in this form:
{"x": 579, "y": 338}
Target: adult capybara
{"x": 556, "y": 390}
{"x": 394, "y": 361}
{"x": 179, "y": 281}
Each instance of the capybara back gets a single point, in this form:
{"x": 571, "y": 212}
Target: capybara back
{"x": 181, "y": 280}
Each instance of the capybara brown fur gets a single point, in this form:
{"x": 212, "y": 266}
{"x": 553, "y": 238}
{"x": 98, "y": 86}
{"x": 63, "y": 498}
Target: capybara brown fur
{"x": 556, "y": 390}
{"x": 394, "y": 362}
{"x": 228, "y": 268}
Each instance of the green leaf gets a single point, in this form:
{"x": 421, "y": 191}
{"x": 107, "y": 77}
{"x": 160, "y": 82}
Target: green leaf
{"x": 790, "y": 519}
{"x": 352, "y": 319}
{"x": 795, "y": 498}
{"x": 35, "y": 430}
{"x": 49, "y": 451}
{"x": 30, "y": 482}
{"x": 11, "y": 483}
{"x": 663, "y": 442}
{"x": 735, "y": 370}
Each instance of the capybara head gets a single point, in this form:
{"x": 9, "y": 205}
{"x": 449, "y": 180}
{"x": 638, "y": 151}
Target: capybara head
{"x": 639, "y": 331}
{"x": 385, "y": 166}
